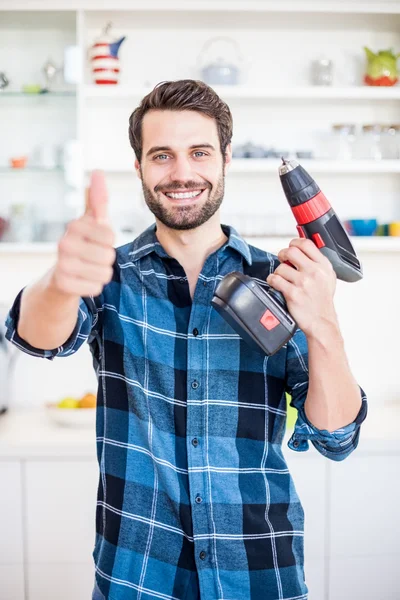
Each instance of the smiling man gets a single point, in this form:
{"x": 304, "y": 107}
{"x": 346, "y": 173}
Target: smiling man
{"x": 195, "y": 500}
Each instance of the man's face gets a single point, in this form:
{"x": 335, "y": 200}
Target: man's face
{"x": 182, "y": 168}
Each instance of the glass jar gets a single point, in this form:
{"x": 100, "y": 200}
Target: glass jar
{"x": 322, "y": 72}
{"x": 391, "y": 142}
{"x": 22, "y": 227}
{"x": 371, "y": 142}
{"x": 343, "y": 141}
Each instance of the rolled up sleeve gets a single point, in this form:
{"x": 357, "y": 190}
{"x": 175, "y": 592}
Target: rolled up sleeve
{"x": 335, "y": 445}
{"x": 87, "y": 327}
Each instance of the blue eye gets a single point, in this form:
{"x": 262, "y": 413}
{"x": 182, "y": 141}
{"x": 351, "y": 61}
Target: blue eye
{"x": 200, "y": 152}
{"x": 160, "y": 156}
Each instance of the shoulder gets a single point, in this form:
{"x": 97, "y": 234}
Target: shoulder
{"x": 262, "y": 263}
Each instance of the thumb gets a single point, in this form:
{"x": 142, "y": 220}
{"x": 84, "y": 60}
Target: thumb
{"x": 97, "y": 197}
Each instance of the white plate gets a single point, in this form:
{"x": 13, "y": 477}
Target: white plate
{"x": 72, "y": 417}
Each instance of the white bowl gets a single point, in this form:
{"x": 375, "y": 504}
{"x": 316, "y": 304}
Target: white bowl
{"x": 72, "y": 417}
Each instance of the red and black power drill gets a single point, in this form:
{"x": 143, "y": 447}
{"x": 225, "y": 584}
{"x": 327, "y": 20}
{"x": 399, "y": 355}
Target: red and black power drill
{"x": 257, "y": 312}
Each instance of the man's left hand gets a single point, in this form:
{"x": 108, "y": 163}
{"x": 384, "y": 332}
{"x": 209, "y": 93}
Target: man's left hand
{"x": 309, "y": 288}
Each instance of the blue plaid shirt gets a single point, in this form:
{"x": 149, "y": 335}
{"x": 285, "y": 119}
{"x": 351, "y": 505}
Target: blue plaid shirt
{"x": 195, "y": 498}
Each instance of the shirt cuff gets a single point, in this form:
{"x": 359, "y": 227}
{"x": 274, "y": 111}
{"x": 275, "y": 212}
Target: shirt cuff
{"x": 336, "y": 444}
{"x": 77, "y": 337}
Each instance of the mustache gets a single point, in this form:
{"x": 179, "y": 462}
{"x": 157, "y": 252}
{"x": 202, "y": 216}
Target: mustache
{"x": 178, "y": 185}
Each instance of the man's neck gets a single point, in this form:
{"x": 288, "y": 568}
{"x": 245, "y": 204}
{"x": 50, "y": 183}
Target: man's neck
{"x": 191, "y": 247}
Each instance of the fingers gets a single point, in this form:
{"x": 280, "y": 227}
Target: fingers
{"x": 87, "y": 228}
{"x": 309, "y": 249}
{"x": 72, "y": 266}
{"x": 303, "y": 254}
{"x": 86, "y": 251}
{"x": 97, "y": 197}
{"x": 280, "y": 284}
{"x": 289, "y": 274}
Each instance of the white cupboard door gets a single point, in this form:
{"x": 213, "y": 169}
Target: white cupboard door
{"x": 60, "y": 582}
{"x": 364, "y": 578}
{"x": 11, "y": 552}
{"x": 365, "y": 516}
{"x": 61, "y": 503}
{"x": 12, "y": 582}
{"x": 315, "y": 571}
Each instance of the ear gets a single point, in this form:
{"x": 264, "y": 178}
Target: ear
{"x": 137, "y": 168}
{"x": 228, "y": 156}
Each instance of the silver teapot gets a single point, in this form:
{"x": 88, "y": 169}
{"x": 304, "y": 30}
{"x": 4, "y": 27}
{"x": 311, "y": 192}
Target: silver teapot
{"x": 220, "y": 71}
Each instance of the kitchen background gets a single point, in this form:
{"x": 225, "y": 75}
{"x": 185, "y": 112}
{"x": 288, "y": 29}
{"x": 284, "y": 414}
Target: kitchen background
{"x": 304, "y": 80}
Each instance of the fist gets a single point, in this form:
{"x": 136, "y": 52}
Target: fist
{"x": 86, "y": 251}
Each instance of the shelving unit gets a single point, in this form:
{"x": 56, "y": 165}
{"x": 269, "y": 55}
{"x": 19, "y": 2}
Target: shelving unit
{"x": 272, "y": 99}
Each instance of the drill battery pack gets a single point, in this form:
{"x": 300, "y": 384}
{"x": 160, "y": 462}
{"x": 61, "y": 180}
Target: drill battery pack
{"x": 255, "y": 313}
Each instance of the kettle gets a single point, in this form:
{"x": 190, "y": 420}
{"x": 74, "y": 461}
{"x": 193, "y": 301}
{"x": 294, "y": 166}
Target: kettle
{"x": 220, "y": 72}
{"x": 8, "y": 357}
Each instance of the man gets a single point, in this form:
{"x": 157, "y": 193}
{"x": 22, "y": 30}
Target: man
{"x": 194, "y": 499}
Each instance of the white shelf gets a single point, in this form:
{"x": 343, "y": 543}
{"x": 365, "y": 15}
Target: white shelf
{"x": 241, "y": 92}
{"x": 361, "y": 244}
{"x": 28, "y": 248}
{"x": 242, "y": 6}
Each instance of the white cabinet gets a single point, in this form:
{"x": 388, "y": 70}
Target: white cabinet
{"x": 364, "y": 528}
{"x": 364, "y": 511}
{"x": 60, "y": 581}
{"x": 12, "y": 582}
{"x": 310, "y": 479}
{"x": 60, "y": 515}
{"x": 61, "y": 494}
{"x": 364, "y": 578}
{"x": 11, "y": 552}
{"x": 11, "y": 536}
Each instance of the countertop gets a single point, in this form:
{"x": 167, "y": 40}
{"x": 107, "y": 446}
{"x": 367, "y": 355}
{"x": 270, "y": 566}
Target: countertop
{"x": 29, "y": 434}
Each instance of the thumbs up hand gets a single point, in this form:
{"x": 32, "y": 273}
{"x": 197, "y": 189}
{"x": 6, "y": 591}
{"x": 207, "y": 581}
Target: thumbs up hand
{"x": 86, "y": 251}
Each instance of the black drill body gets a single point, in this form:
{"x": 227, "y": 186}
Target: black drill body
{"x": 258, "y": 313}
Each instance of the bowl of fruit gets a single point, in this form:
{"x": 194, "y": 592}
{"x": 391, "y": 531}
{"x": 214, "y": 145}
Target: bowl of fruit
{"x": 73, "y": 412}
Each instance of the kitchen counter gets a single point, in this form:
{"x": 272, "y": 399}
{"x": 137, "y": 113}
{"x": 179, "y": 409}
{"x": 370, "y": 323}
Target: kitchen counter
{"x": 30, "y": 434}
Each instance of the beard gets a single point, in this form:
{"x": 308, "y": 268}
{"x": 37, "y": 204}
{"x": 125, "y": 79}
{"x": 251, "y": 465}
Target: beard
{"x": 185, "y": 217}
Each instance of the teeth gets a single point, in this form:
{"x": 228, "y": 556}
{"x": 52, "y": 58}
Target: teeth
{"x": 183, "y": 194}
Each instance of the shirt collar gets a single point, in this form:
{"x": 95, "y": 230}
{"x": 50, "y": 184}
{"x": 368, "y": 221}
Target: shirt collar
{"x": 147, "y": 242}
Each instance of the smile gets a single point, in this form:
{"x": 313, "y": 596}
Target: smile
{"x": 185, "y": 197}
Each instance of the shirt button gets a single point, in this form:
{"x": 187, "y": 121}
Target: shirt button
{"x": 296, "y": 443}
{"x": 203, "y": 555}
{"x": 198, "y": 499}
{"x": 182, "y": 280}
{"x": 205, "y": 283}
{"x": 195, "y": 332}
{"x": 195, "y": 442}
{"x": 195, "y": 384}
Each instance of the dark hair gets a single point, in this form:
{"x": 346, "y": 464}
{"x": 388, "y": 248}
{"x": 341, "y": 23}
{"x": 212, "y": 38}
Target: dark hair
{"x": 185, "y": 94}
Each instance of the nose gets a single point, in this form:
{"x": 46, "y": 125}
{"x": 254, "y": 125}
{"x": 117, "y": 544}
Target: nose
{"x": 181, "y": 169}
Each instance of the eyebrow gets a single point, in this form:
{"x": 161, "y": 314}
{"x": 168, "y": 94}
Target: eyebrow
{"x": 168, "y": 148}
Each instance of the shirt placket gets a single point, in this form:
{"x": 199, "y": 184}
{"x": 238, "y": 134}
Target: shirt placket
{"x": 196, "y": 434}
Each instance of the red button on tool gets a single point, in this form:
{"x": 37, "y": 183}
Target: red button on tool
{"x": 268, "y": 320}
{"x": 317, "y": 239}
{"x": 300, "y": 231}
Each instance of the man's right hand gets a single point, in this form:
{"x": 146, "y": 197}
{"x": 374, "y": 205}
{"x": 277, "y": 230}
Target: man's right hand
{"x": 86, "y": 252}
